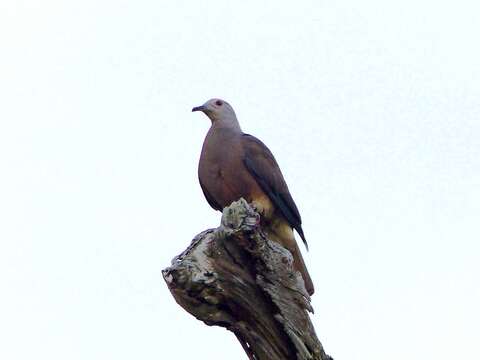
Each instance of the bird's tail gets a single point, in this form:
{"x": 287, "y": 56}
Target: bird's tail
{"x": 299, "y": 265}
{"x": 282, "y": 232}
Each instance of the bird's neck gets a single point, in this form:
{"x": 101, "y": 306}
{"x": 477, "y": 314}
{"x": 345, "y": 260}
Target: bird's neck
{"x": 230, "y": 123}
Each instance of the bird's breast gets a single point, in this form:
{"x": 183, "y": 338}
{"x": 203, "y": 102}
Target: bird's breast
{"x": 223, "y": 174}
{"x": 226, "y": 179}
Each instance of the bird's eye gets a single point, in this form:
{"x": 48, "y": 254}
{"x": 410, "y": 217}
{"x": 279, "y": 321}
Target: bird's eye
{"x": 218, "y": 103}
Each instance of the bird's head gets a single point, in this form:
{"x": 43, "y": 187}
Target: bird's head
{"x": 218, "y": 111}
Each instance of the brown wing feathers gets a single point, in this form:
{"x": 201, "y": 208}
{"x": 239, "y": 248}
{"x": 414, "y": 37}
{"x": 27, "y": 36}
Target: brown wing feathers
{"x": 260, "y": 162}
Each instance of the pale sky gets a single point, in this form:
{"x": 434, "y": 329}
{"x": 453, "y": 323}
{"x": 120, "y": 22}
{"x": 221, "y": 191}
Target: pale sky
{"x": 372, "y": 109}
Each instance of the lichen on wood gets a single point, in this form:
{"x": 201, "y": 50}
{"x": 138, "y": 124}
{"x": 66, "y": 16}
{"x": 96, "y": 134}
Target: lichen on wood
{"x": 235, "y": 277}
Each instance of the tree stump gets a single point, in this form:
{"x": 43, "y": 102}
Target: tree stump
{"x": 235, "y": 277}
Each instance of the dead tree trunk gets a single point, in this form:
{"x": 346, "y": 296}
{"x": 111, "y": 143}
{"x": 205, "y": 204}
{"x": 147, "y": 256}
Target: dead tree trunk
{"x": 234, "y": 277}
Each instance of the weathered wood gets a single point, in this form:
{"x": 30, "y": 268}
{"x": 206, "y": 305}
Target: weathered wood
{"x": 235, "y": 277}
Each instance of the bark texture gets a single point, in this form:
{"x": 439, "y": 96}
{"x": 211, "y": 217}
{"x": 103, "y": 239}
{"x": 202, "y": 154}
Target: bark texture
{"x": 234, "y": 277}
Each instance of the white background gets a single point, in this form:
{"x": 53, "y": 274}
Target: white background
{"x": 371, "y": 108}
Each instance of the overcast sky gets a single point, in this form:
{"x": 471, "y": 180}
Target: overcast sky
{"x": 372, "y": 109}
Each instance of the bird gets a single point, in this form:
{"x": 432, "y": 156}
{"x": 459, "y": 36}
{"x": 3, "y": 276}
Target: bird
{"x": 236, "y": 165}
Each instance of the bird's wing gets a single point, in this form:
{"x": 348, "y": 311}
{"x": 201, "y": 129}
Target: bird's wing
{"x": 262, "y": 165}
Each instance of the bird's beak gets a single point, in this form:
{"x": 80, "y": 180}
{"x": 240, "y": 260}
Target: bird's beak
{"x": 199, "y": 108}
